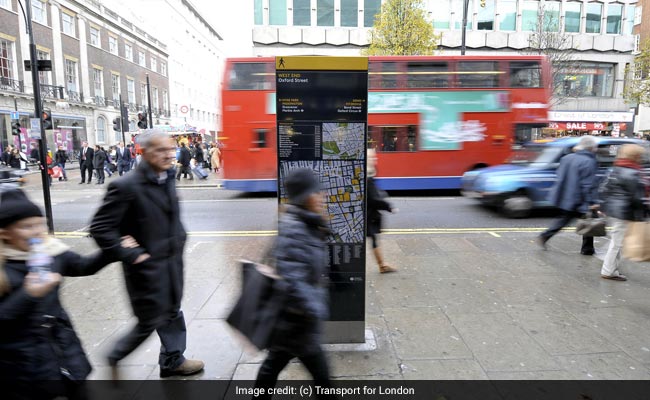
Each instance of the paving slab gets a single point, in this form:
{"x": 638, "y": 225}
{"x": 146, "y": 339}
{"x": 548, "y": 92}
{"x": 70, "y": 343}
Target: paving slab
{"x": 440, "y": 370}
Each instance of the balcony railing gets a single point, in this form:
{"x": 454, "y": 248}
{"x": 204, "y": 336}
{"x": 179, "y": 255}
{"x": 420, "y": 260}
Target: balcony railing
{"x": 52, "y": 92}
{"x": 75, "y": 96}
{"x": 11, "y": 85}
{"x": 99, "y": 101}
{"x": 133, "y": 107}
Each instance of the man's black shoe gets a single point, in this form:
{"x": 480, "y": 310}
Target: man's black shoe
{"x": 587, "y": 252}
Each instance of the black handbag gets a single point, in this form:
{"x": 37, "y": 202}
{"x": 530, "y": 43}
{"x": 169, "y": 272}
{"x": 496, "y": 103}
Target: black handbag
{"x": 593, "y": 225}
{"x": 258, "y": 308}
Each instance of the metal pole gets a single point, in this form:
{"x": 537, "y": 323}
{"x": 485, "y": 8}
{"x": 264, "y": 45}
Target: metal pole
{"x": 122, "y": 123}
{"x": 149, "y": 101}
{"x": 462, "y": 43}
{"x": 38, "y": 113}
{"x": 20, "y": 144}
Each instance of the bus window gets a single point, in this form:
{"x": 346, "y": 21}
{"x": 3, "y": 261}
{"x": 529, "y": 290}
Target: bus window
{"x": 389, "y": 138}
{"x": 478, "y": 74}
{"x": 260, "y": 137}
{"x": 525, "y": 74}
{"x": 412, "y": 138}
{"x": 383, "y": 75}
{"x": 393, "y": 138}
{"x": 427, "y": 74}
{"x": 250, "y": 76}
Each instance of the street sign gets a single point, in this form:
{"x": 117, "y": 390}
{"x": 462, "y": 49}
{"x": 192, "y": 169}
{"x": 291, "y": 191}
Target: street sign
{"x": 35, "y": 128}
{"x": 15, "y": 115}
{"x": 184, "y": 109}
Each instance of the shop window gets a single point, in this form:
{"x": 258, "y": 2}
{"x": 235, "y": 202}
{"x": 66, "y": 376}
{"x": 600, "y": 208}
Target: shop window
{"x": 585, "y": 80}
{"x": 525, "y": 74}
{"x": 478, "y": 74}
{"x": 427, "y": 74}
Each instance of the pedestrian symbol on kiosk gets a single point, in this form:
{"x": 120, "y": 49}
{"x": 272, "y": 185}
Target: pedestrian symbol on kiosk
{"x": 282, "y": 63}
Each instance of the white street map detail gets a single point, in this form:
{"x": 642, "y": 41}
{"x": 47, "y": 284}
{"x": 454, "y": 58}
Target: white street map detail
{"x": 343, "y": 141}
{"x": 343, "y": 182}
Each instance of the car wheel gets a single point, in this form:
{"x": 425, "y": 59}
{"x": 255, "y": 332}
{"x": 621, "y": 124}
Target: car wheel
{"x": 517, "y": 205}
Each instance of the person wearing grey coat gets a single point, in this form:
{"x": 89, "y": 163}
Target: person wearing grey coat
{"x": 575, "y": 191}
{"x": 301, "y": 260}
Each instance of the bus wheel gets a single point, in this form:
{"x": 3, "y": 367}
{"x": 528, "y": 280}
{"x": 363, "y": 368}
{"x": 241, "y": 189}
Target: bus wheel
{"x": 517, "y": 205}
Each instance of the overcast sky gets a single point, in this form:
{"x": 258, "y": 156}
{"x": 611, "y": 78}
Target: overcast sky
{"x": 233, "y": 20}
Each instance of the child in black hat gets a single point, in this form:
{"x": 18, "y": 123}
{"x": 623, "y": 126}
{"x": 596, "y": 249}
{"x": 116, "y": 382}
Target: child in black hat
{"x": 41, "y": 354}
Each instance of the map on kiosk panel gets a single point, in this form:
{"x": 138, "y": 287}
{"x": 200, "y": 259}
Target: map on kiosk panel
{"x": 344, "y": 185}
{"x": 343, "y": 141}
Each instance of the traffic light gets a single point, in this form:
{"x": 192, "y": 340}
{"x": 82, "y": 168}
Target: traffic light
{"x": 15, "y": 128}
{"x": 117, "y": 124}
{"x": 47, "y": 120}
{"x": 142, "y": 121}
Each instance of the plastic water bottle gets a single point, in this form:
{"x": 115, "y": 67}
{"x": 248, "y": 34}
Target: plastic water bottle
{"x": 39, "y": 262}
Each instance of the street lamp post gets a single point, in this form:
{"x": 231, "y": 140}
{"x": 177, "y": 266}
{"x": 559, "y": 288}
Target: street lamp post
{"x": 462, "y": 44}
{"x": 149, "y": 103}
{"x": 38, "y": 113}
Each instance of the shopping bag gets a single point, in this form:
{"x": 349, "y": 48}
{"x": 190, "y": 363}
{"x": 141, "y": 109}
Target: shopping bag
{"x": 636, "y": 244}
{"x": 256, "y": 312}
{"x": 593, "y": 225}
{"x": 57, "y": 172}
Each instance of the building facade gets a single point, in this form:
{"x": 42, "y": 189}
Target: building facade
{"x": 600, "y": 32}
{"x": 96, "y": 55}
{"x": 195, "y": 60}
{"x": 642, "y": 34}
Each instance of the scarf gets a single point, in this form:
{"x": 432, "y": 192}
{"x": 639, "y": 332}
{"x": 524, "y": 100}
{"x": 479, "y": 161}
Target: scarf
{"x": 623, "y": 162}
{"x": 52, "y": 247}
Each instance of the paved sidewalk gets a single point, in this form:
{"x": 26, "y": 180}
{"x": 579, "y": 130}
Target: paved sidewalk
{"x": 463, "y": 306}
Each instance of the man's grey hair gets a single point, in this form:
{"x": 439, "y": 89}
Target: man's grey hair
{"x": 145, "y": 139}
{"x": 587, "y": 142}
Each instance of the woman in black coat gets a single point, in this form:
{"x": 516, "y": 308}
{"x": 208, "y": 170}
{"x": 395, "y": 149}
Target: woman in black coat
{"x": 623, "y": 193}
{"x": 98, "y": 163}
{"x": 376, "y": 203}
{"x": 41, "y": 354}
{"x": 301, "y": 260}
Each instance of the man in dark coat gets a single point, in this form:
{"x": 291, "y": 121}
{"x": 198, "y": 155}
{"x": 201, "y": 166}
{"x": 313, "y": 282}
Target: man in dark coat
{"x": 60, "y": 158}
{"x": 575, "y": 191}
{"x": 184, "y": 159}
{"x": 86, "y": 155}
{"x": 144, "y": 205}
{"x": 123, "y": 159}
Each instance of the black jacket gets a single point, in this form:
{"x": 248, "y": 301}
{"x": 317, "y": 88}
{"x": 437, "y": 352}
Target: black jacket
{"x": 623, "y": 193}
{"x": 137, "y": 205}
{"x": 30, "y": 350}
{"x": 99, "y": 159}
{"x": 60, "y": 156}
{"x": 89, "y": 157}
{"x": 301, "y": 256}
{"x": 184, "y": 157}
{"x": 376, "y": 202}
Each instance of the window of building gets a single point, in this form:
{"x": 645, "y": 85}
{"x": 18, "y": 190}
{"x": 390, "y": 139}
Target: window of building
{"x": 259, "y": 12}
{"x": 572, "y": 14}
{"x": 551, "y": 16}
{"x": 70, "y": 75}
{"x": 457, "y": 10}
{"x": 486, "y": 16}
{"x": 68, "y": 24}
{"x": 130, "y": 90}
{"x": 98, "y": 82}
{"x": 614, "y": 18}
{"x": 529, "y": 11}
{"x": 142, "y": 61}
{"x": 594, "y": 14}
{"x": 478, "y": 74}
{"x": 277, "y": 12}
{"x": 128, "y": 52}
{"x": 629, "y": 19}
{"x": 39, "y": 11}
{"x": 143, "y": 94}
{"x": 507, "y": 15}
{"x": 427, "y": 74}
{"x": 349, "y": 12}
{"x": 371, "y": 8}
{"x": 115, "y": 86}
{"x": 585, "y": 80}
{"x": 301, "y": 13}
{"x": 163, "y": 68}
{"x": 101, "y": 130}
{"x": 154, "y": 98}
{"x": 112, "y": 44}
{"x": 94, "y": 37}
{"x": 6, "y": 59}
{"x": 441, "y": 15}
{"x": 154, "y": 64}
{"x": 525, "y": 74}
{"x": 5, "y": 4}
{"x": 325, "y": 12}
{"x": 43, "y": 76}
{"x": 165, "y": 99}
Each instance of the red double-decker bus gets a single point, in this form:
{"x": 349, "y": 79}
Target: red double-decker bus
{"x": 430, "y": 118}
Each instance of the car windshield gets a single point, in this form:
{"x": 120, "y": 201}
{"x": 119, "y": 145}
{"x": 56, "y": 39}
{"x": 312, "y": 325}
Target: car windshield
{"x": 535, "y": 154}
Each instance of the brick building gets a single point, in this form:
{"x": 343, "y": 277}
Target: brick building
{"x": 96, "y": 57}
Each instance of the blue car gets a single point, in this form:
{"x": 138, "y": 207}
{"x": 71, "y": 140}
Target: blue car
{"x": 524, "y": 183}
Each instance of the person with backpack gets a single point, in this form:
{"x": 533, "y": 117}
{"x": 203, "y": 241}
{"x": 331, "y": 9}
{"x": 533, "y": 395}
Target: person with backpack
{"x": 623, "y": 194}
